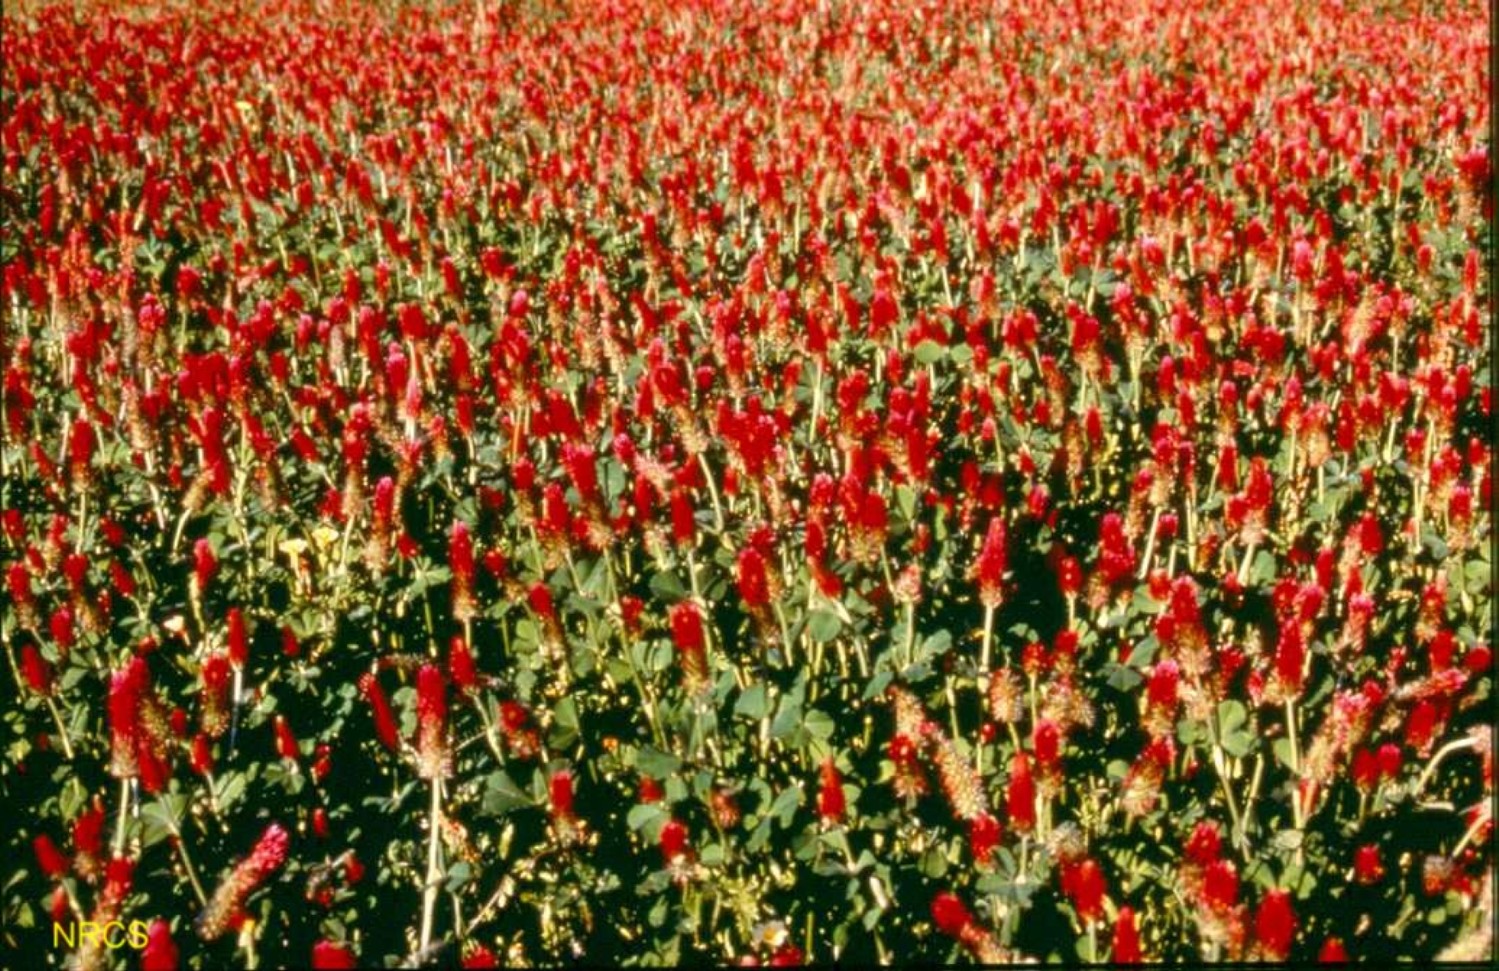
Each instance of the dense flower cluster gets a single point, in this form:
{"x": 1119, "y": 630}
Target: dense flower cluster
{"x": 727, "y": 482}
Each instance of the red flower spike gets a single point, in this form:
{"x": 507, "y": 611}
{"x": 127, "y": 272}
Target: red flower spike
{"x": 239, "y": 646}
{"x": 201, "y": 758}
{"x": 751, "y": 579}
{"x": 1275, "y": 925}
{"x": 674, "y": 841}
{"x": 1220, "y": 886}
{"x": 329, "y": 956}
{"x": 461, "y": 563}
{"x": 461, "y": 665}
{"x": 35, "y": 670}
{"x": 205, "y": 564}
{"x": 688, "y": 636}
{"x": 125, "y": 690}
{"x": 479, "y": 959}
{"x": 51, "y": 860}
{"x": 984, "y": 834}
{"x": 88, "y": 831}
{"x": 1126, "y": 949}
{"x": 1083, "y": 883}
{"x": 385, "y": 720}
{"x": 223, "y": 910}
{"x": 1205, "y": 843}
{"x": 950, "y": 914}
{"x": 1332, "y": 952}
{"x": 60, "y": 626}
{"x": 1367, "y": 867}
{"x": 160, "y": 952}
{"x": 993, "y": 561}
{"x": 830, "y": 800}
{"x": 431, "y": 722}
{"x": 560, "y": 791}
{"x": 1020, "y": 795}
{"x": 1046, "y": 741}
{"x": 540, "y": 599}
{"x": 286, "y": 742}
{"x": 683, "y": 521}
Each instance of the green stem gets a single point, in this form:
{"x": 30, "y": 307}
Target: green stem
{"x": 429, "y": 890}
{"x": 187, "y": 862}
{"x": 119, "y": 843}
{"x": 62, "y": 730}
{"x": 985, "y": 651}
{"x": 1298, "y": 810}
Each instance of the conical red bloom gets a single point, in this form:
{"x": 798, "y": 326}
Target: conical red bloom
{"x": 431, "y": 722}
{"x": 461, "y": 563}
{"x": 214, "y": 698}
{"x": 270, "y": 850}
{"x": 286, "y": 742}
{"x": 950, "y": 914}
{"x": 1220, "y": 887}
{"x": 754, "y": 586}
{"x": 540, "y": 599}
{"x": 984, "y": 833}
{"x": 1275, "y": 925}
{"x": 1333, "y": 952}
{"x": 1367, "y": 867}
{"x": 49, "y": 857}
{"x": 1161, "y": 691}
{"x": 205, "y": 564}
{"x": 1204, "y": 844}
{"x": 1047, "y": 742}
{"x": 36, "y": 671}
{"x": 560, "y": 789}
{"x": 328, "y": 956}
{"x": 687, "y": 635}
{"x": 993, "y": 561}
{"x": 1126, "y": 938}
{"x": 88, "y": 831}
{"x": 202, "y": 755}
{"x": 18, "y": 583}
{"x": 385, "y": 720}
{"x": 461, "y": 665}
{"x": 1290, "y": 653}
{"x": 1020, "y": 796}
{"x": 224, "y": 906}
{"x": 119, "y": 874}
{"x": 683, "y": 523}
{"x": 160, "y": 952}
{"x": 239, "y": 645}
{"x": 830, "y": 801}
{"x": 1084, "y": 883}
{"x": 674, "y": 838}
{"x": 125, "y": 688}
{"x": 480, "y": 958}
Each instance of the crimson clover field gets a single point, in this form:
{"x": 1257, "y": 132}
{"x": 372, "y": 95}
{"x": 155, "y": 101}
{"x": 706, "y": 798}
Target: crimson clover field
{"x": 646, "y": 482}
